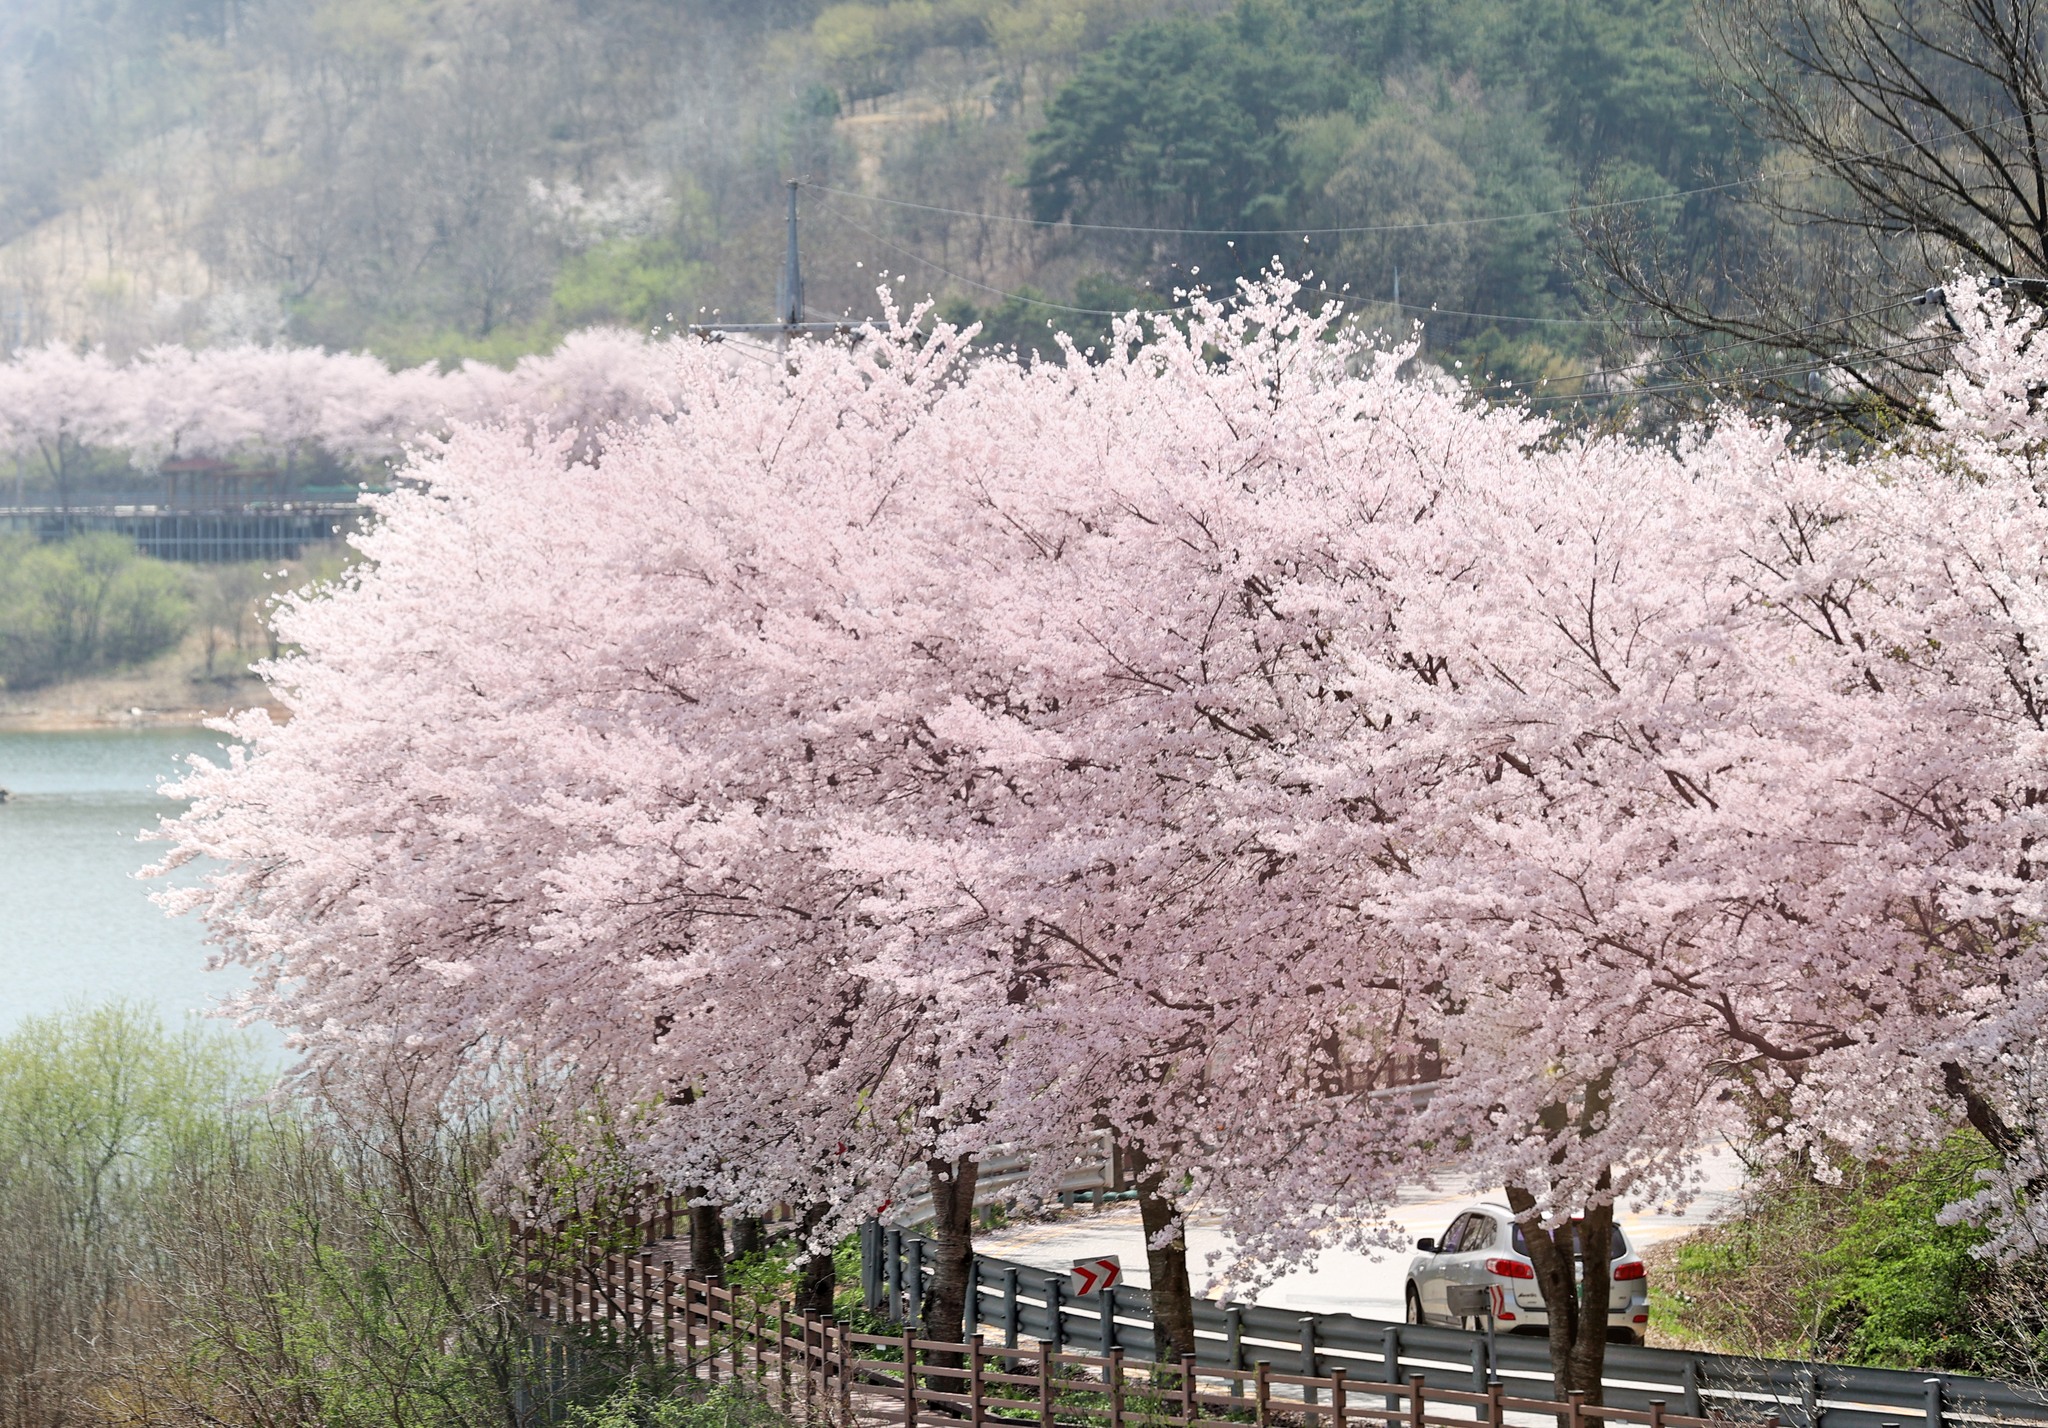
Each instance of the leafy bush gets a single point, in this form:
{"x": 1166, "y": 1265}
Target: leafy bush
{"x": 178, "y": 1253}
{"x": 88, "y": 603}
{"x": 642, "y": 1405}
{"x": 1857, "y": 1271}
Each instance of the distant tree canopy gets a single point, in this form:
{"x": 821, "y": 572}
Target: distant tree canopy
{"x": 1183, "y": 122}
{"x": 1420, "y": 123}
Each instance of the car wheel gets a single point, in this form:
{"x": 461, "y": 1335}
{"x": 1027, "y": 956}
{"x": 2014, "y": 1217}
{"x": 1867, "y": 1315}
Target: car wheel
{"x": 1414, "y": 1305}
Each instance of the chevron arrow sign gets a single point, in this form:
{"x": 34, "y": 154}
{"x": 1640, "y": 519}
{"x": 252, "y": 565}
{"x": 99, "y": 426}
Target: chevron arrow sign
{"x": 1093, "y": 1276}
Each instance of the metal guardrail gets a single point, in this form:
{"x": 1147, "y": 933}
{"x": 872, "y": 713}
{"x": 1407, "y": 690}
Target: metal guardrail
{"x": 1019, "y": 1300}
{"x": 251, "y": 530}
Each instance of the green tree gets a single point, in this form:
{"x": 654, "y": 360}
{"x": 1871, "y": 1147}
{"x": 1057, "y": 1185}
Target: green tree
{"x": 1183, "y": 123}
{"x": 83, "y": 604}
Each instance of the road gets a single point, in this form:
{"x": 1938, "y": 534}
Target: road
{"x": 1351, "y": 1283}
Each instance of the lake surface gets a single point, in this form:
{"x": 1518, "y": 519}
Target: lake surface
{"x": 75, "y": 922}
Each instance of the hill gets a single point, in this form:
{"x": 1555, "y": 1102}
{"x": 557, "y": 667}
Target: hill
{"x": 473, "y": 177}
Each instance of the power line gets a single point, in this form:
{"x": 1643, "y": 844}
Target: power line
{"x": 1006, "y": 294}
{"x": 1711, "y": 384}
{"x": 1407, "y": 227}
{"x": 1531, "y": 382}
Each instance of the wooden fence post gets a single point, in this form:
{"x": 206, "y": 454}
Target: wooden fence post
{"x": 1116, "y": 1386}
{"x": 782, "y": 1346}
{"x": 974, "y": 1384}
{"x": 1262, "y": 1392}
{"x": 760, "y": 1345}
{"x": 1415, "y": 1401}
{"x": 668, "y": 1314}
{"x": 843, "y": 1337}
{"x": 909, "y": 1379}
{"x": 689, "y": 1325}
{"x": 810, "y": 1371}
{"x": 1495, "y": 1414}
{"x": 1337, "y": 1396}
{"x": 1656, "y": 1413}
{"x": 1044, "y": 1385}
{"x": 711, "y": 1351}
{"x": 1188, "y": 1406}
{"x": 1575, "y": 1410}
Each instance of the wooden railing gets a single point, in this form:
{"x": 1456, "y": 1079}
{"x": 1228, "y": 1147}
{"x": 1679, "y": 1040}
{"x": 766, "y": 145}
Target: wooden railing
{"x": 821, "y": 1367}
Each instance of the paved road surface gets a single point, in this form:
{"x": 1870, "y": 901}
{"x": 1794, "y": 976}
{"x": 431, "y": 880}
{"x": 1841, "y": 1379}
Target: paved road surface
{"x": 1350, "y": 1283}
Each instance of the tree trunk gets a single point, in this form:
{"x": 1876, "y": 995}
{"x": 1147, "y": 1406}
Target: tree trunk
{"x": 748, "y": 1236}
{"x": 817, "y": 1283}
{"x": 1173, "y": 1295}
{"x": 1576, "y": 1302}
{"x": 953, "y": 1227}
{"x": 707, "y": 1240}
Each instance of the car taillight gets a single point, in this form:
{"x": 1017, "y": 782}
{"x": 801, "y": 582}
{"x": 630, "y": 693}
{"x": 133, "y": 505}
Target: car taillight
{"x": 1631, "y": 1270}
{"x": 1510, "y": 1269}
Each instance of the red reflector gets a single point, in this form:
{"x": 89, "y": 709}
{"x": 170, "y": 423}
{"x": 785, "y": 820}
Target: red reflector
{"x": 1514, "y": 1269}
{"x": 1503, "y": 1318}
{"x": 1631, "y": 1270}
{"x": 1642, "y": 1318}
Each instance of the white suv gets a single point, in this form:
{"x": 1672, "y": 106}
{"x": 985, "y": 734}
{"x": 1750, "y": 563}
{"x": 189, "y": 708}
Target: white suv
{"x": 1484, "y": 1246}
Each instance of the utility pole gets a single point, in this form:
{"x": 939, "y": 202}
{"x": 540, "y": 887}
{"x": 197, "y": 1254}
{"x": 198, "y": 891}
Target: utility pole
{"x": 789, "y": 295}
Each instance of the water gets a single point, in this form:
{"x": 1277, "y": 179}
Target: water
{"x": 75, "y": 922}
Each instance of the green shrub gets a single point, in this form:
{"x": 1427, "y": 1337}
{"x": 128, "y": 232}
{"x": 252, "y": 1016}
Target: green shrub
{"x": 88, "y": 603}
{"x": 642, "y": 1405}
{"x": 1859, "y": 1270}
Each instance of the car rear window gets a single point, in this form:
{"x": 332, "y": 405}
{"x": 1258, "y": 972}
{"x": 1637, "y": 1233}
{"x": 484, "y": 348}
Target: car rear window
{"x": 1617, "y": 1246}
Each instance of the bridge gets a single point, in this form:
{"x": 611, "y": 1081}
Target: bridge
{"x": 211, "y": 532}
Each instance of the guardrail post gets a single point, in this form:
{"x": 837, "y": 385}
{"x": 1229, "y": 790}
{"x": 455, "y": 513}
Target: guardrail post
{"x": 1308, "y": 1362}
{"x": 1809, "y": 1399}
{"x": 870, "y": 1265}
{"x": 1933, "y": 1403}
{"x": 1105, "y": 1309}
{"x": 913, "y": 1283}
{"x": 1479, "y": 1369}
{"x": 1010, "y": 1310}
{"x": 1233, "y": 1347}
{"x": 1056, "y": 1327}
{"x": 1390, "y": 1364}
{"x": 892, "y": 1256}
{"x": 1690, "y": 1381}
{"x": 971, "y": 1318}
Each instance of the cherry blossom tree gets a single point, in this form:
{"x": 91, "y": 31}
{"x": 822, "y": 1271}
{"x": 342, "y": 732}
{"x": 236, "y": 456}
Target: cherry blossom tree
{"x": 857, "y": 764}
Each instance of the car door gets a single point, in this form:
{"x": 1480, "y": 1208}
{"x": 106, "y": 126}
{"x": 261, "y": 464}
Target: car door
{"x": 1433, "y": 1276}
{"x": 1479, "y": 1240}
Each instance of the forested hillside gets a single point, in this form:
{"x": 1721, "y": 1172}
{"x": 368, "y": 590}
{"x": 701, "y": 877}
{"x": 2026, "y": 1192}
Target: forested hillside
{"x": 473, "y": 177}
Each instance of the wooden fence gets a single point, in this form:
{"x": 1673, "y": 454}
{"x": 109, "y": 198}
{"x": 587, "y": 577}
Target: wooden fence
{"x": 818, "y": 1367}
